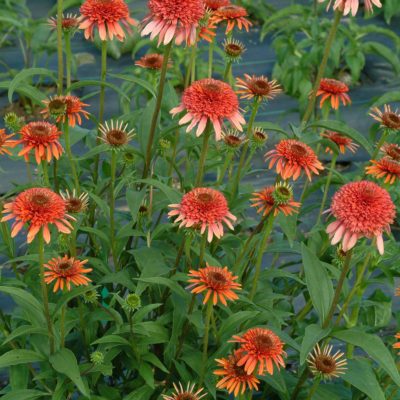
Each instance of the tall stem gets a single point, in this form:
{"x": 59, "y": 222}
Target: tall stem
{"x": 203, "y": 155}
{"x": 45, "y": 173}
{"x": 62, "y": 325}
{"x": 299, "y": 384}
{"x": 326, "y": 189}
{"x": 68, "y": 57}
{"x": 44, "y": 291}
{"x": 228, "y": 71}
{"x": 70, "y": 157}
{"x": 191, "y": 70}
{"x": 225, "y": 166}
{"x": 112, "y": 207}
{"x": 313, "y": 389}
{"x": 202, "y": 253}
{"x": 157, "y": 110}
{"x": 209, "y": 311}
{"x": 380, "y": 144}
{"x": 322, "y": 67}
{"x": 60, "y": 47}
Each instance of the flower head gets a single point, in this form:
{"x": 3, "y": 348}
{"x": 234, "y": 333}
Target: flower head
{"x": 233, "y": 139}
{"x": 257, "y": 86}
{"x": 326, "y": 365}
{"x": 42, "y": 138}
{"x": 152, "y": 61}
{"x": 233, "y": 15}
{"x": 335, "y": 90}
{"x": 132, "y": 302}
{"x": 169, "y": 19}
{"x": 219, "y": 284}
{"x": 391, "y": 150}
{"x": 262, "y": 348}
{"x": 75, "y": 204}
{"x": 209, "y": 100}
{"x": 233, "y": 49}
{"x": 97, "y": 357}
{"x": 40, "y": 207}
{"x": 107, "y": 16}
{"x": 90, "y": 296}
{"x": 347, "y": 6}
{"x": 13, "y": 122}
{"x": 386, "y": 168}
{"x": 362, "y": 209}
{"x": 69, "y": 22}
{"x": 116, "y": 135}
{"x": 388, "y": 118}
{"x": 234, "y": 377}
{"x": 292, "y": 157}
{"x": 258, "y": 138}
{"x": 5, "y": 142}
{"x": 65, "y": 271}
{"x": 341, "y": 141}
{"x": 204, "y": 209}
{"x": 278, "y": 198}
{"x": 185, "y": 394}
{"x": 215, "y": 4}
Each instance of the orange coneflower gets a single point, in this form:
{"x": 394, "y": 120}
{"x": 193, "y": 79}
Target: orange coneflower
{"x": 185, "y": 394}
{"x": 262, "y": 348}
{"x": 42, "y": 137}
{"x": 204, "y": 209}
{"x": 69, "y": 22}
{"x": 257, "y": 86}
{"x": 362, "y": 209}
{"x": 278, "y": 198}
{"x": 117, "y": 136}
{"x": 335, "y": 90}
{"x": 107, "y": 16}
{"x": 347, "y": 6}
{"x": 388, "y": 118}
{"x": 39, "y": 207}
{"x": 169, "y": 19}
{"x": 209, "y": 100}
{"x": 385, "y": 167}
{"x": 152, "y": 61}
{"x": 65, "y": 107}
{"x": 66, "y": 271}
{"x": 233, "y": 15}
{"x": 218, "y": 282}
{"x": 215, "y": 4}
{"x": 5, "y": 142}
{"x": 391, "y": 150}
{"x": 235, "y": 379}
{"x": 341, "y": 141}
{"x": 326, "y": 365}
{"x": 75, "y": 204}
{"x": 292, "y": 157}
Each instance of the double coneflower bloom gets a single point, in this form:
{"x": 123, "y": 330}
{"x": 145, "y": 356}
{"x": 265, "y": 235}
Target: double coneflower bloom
{"x": 334, "y": 90}
{"x": 233, "y": 16}
{"x": 341, "y": 141}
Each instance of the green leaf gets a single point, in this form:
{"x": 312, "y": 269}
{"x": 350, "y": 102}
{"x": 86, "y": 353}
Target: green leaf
{"x": 25, "y": 330}
{"x": 24, "y": 394}
{"x": 173, "y": 195}
{"x": 68, "y": 296}
{"x": 26, "y": 90}
{"x": 374, "y": 346}
{"x": 20, "y": 356}
{"x": 385, "y": 52}
{"x": 146, "y": 372}
{"x": 64, "y": 362}
{"x": 134, "y": 79}
{"x": 134, "y": 200}
{"x": 313, "y": 334}
{"x": 361, "y": 375}
{"x": 112, "y": 339}
{"x": 318, "y": 282}
{"x": 391, "y": 97}
{"x": 158, "y": 280}
{"x": 80, "y": 84}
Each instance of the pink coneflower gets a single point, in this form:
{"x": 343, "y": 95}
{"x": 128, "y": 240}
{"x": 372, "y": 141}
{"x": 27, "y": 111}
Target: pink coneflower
{"x": 233, "y": 15}
{"x": 107, "y": 16}
{"x": 335, "y": 90}
{"x": 341, "y": 141}
{"x": 204, "y": 209}
{"x": 347, "y": 6}
{"x": 152, "y": 61}
{"x": 292, "y": 157}
{"x": 209, "y": 100}
{"x": 169, "y": 19}
{"x": 362, "y": 209}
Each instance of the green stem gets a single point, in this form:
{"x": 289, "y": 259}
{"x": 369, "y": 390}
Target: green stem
{"x": 44, "y": 292}
{"x": 261, "y": 251}
{"x": 68, "y": 58}
{"x": 71, "y": 158}
{"x": 62, "y": 326}
{"x": 380, "y": 144}
{"x": 313, "y": 389}
{"x": 203, "y": 155}
{"x": 228, "y": 160}
{"x": 211, "y": 57}
{"x": 191, "y": 70}
{"x": 322, "y": 67}
{"x": 299, "y": 384}
{"x": 338, "y": 291}
{"x": 209, "y": 311}
{"x": 157, "y": 110}
{"x": 45, "y": 173}
{"x": 228, "y": 71}
{"x": 202, "y": 253}
{"x": 326, "y": 189}
{"x": 60, "y": 47}
{"x": 112, "y": 208}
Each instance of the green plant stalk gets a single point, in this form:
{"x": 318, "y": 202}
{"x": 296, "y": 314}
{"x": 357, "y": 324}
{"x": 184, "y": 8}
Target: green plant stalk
{"x": 112, "y": 209}
{"x": 228, "y": 160}
{"x": 45, "y": 173}
{"x": 44, "y": 291}
{"x": 380, "y": 144}
{"x": 314, "y": 388}
{"x": 71, "y": 157}
{"x": 321, "y": 70}
{"x": 203, "y": 244}
{"x": 338, "y": 291}
{"x": 191, "y": 69}
{"x": 203, "y": 155}
{"x": 209, "y": 311}
{"x": 263, "y": 246}
{"x": 211, "y": 57}
{"x": 60, "y": 47}
{"x": 228, "y": 71}
{"x": 299, "y": 385}
{"x": 62, "y": 325}
{"x": 68, "y": 58}
{"x": 327, "y": 185}
{"x": 157, "y": 110}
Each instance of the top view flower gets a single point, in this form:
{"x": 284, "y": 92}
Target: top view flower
{"x": 108, "y": 16}
{"x": 209, "y": 100}
{"x": 173, "y": 19}
{"x": 334, "y": 90}
{"x": 362, "y": 209}
{"x": 188, "y": 393}
{"x": 233, "y": 15}
{"x": 257, "y": 86}
{"x": 351, "y": 6}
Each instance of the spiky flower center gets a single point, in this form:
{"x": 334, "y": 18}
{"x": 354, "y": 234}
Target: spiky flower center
{"x": 325, "y": 364}
{"x": 233, "y": 49}
{"x": 117, "y": 137}
{"x": 264, "y": 342}
{"x": 232, "y": 140}
{"x": 260, "y": 135}
{"x": 40, "y": 199}
{"x": 65, "y": 265}
{"x": 298, "y": 150}
{"x": 391, "y": 120}
{"x": 216, "y": 278}
{"x": 40, "y": 130}
{"x": 205, "y": 197}
{"x": 57, "y": 107}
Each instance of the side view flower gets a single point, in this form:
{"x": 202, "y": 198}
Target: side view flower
{"x": 388, "y": 118}
{"x": 233, "y": 16}
{"x": 341, "y": 141}
{"x": 351, "y": 6}
{"x": 334, "y": 90}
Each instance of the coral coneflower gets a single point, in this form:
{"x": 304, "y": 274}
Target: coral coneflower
{"x": 215, "y": 4}
{"x": 108, "y": 16}
{"x": 347, "y": 6}
{"x": 69, "y": 22}
{"x": 391, "y": 150}
{"x": 262, "y": 348}
{"x": 209, "y": 100}
{"x": 235, "y": 379}
{"x": 75, "y": 204}
{"x": 388, "y": 118}
{"x": 397, "y": 345}
{"x": 152, "y": 61}
{"x": 42, "y": 137}
{"x": 385, "y": 167}
{"x": 233, "y": 49}
{"x": 341, "y": 141}
{"x": 326, "y": 365}
{"x": 335, "y": 90}
{"x": 292, "y": 157}
{"x": 204, "y": 209}
{"x": 233, "y": 15}
{"x": 116, "y": 135}
{"x": 66, "y": 271}
{"x": 219, "y": 284}
{"x": 5, "y": 142}
{"x": 257, "y": 86}
{"x": 38, "y": 207}
{"x": 185, "y": 394}
{"x": 362, "y": 209}
{"x": 169, "y": 19}
{"x": 64, "y": 108}
{"x": 278, "y": 198}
